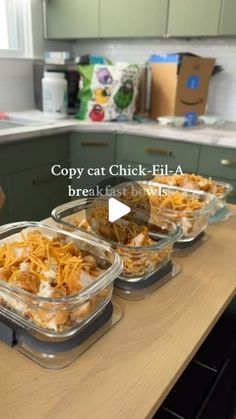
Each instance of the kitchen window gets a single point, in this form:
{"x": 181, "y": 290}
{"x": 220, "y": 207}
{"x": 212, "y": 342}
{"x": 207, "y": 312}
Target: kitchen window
{"x": 15, "y": 28}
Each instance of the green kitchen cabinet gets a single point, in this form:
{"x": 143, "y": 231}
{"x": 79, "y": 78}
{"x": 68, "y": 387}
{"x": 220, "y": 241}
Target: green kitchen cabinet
{"x": 218, "y": 162}
{"x": 232, "y": 196}
{"x": 4, "y": 217}
{"x": 155, "y": 151}
{"x": 228, "y": 18}
{"x": 91, "y": 150}
{"x": 189, "y": 18}
{"x": 71, "y": 19}
{"x": 34, "y": 152}
{"x": 25, "y": 175}
{"x": 34, "y": 193}
{"x": 133, "y": 18}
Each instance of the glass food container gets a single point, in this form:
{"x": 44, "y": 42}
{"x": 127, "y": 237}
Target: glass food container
{"x": 192, "y": 221}
{"x": 54, "y": 319}
{"x": 139, "y": 262}
{"x": 221, "y": 197}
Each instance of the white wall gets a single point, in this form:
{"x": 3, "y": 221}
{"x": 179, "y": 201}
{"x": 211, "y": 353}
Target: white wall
{"x": 16, "y": 75}
{"x": 16, "y": 80}
{"x": 222, "y": 96}
{"x": 16, "y": 84}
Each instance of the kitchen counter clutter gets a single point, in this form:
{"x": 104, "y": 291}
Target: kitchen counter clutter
{"x": 130, "y": 371}
{"x": 219, "y": 135}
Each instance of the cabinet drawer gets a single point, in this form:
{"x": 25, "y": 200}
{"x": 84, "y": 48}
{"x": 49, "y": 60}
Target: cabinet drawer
{"x": 34, "y": 193}
{"x": 164, "y": 414}
{"x": 218, "y": 162}
{"x": 154, "y": 151}
{"x": 132, "y": 164}
{"x": 92, "y": 151}
{"x": 212, "y": 353}
{"x": 187, "y": 396}
{"x": 36, "y": 152}
{"x": 222, "y": 396}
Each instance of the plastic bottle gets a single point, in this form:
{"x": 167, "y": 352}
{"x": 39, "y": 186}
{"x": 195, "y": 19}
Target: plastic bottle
{"x": 55, "y": 95}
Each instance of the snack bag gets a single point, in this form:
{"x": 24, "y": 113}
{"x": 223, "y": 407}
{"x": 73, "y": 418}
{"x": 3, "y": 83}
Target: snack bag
{"x": 108, "y": 92}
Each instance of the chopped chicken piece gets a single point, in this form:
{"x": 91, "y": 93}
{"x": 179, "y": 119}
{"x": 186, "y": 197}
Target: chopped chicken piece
{"x": 24, "y": 266}
{"x": 82, "y": 312}
{"x": 91, "y": 261}
{"x": 5, "y": 274}
{"x": 49, "y": 320}
{"x": 45, "y": 290}
{"x": 85, "y": 278}
{"x": 25, "y": 280}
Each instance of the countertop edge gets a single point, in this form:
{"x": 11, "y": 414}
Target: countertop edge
{"x": 204, "y": 136}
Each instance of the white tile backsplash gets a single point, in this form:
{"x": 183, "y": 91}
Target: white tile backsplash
{"x": 16, "y": 84}
{"x": 16, "y": 78}
{"x": 222, "y": 95}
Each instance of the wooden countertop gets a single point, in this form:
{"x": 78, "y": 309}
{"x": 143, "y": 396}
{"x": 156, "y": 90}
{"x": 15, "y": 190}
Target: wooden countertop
{"x": 128, "y": 373}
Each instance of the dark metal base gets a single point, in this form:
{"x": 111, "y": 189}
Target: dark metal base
{"x": 140, "y": 289}
{"x": 59, "y": 354}
{"x": 185, "y": 248}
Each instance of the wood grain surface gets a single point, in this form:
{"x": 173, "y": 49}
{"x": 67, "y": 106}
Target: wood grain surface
{"x": 128, "y": 372}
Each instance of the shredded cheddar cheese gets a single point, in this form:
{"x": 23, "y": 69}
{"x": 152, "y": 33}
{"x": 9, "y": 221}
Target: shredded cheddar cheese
{"x": 40, "y": 254}
{"x": 51, "y": 268}
{"x": 192, "y": 181}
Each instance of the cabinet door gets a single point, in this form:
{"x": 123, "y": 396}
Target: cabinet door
{"x": 4, "y": 218}
{"x": 228, "y": 18}
{"x": 34, "y": 152}
{"x": 92, "y": 151}
{"x": 68, "y": 19}
{"x": 194, "y": 17}
{"x": 34, "y": 193}
{"x": 218, "y": 162}
{"x": 133, "y": 18}
{"x": 150, "y": 151}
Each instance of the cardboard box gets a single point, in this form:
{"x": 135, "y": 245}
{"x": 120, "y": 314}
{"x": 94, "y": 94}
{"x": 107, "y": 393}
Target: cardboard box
{"x": 179, "y": 84}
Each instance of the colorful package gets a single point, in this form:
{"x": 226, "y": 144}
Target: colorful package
{"x": 108, "y": 92}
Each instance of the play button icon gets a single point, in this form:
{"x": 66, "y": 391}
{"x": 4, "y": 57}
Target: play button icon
{"x": 116, "y": 214}
{"x": 117, "y": 210}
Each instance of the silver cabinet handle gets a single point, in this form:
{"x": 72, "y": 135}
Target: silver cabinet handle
{"x": 83, "y": 144}
{"x": 160, "y": 151}
{"x": 226, "y": 162}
